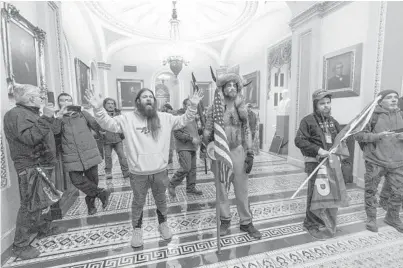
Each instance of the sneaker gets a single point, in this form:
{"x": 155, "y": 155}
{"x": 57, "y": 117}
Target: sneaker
{"x": 108, "y": 175}
{"x": 165, "y": 231}
{"x": 137, "y": 238}
{"x": 55, "y": 230}
{"x": 251, "y": 230}
{"x": 171, "y": 191}
{"x": 194, "y": 191}
{"x": 370, "y": 224}
{"x": 104, "y": 197}
{"x": 26, "y": 253}
{"x": 224, "y": 227}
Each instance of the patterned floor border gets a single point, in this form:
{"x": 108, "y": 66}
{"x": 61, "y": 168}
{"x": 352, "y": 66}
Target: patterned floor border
{"x": 121, "y": 201}
{"x": 262, "y": 157}
{"x": 259, "y": 169}
{"x": 338, "y": 252}
{"x": 176, "y": 251}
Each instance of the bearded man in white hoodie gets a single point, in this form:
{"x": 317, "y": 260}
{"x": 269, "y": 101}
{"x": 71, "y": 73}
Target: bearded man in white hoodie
{"x": 147, "y": 140}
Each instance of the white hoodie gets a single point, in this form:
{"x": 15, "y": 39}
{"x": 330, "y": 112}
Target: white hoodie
{"x": 144, "y": 154}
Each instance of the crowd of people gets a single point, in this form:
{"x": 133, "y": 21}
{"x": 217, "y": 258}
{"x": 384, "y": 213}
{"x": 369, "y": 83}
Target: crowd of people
{"x": 144, "y": 140}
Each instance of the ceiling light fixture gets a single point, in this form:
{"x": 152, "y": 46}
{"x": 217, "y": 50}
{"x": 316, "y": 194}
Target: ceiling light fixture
{"x": 175, "y": 58}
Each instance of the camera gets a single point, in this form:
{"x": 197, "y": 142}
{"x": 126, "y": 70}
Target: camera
{"x": 74, "y": 108}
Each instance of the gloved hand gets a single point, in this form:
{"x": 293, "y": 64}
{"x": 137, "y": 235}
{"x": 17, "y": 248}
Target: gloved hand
{"x": 248, "y": 162}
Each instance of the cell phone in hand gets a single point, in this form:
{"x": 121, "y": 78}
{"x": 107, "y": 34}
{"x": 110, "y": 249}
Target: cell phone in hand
{"x": 74, "y": 108}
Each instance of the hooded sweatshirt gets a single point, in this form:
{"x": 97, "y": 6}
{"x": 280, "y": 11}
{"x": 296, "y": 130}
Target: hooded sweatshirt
{"x": 387, "y": 151}
{"x": 145, "y": 155}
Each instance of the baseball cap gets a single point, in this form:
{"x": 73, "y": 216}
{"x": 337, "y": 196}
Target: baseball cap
{"x": 320, "y": 94}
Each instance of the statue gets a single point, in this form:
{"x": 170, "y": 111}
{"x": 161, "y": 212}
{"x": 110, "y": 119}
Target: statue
{"x": 284, "y": 105}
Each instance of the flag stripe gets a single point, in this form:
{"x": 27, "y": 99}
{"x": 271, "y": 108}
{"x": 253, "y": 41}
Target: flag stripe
{"x": 221, "y": 148}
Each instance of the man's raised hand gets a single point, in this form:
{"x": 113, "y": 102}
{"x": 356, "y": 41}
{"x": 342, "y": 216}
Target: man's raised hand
{"x": 95, "y": 100}
{"x": 197, "y": 96}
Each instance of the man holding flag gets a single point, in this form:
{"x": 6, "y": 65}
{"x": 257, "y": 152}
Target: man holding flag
{"x": 315, "y": 138}
{"x": 382, "y": 143}
{"x": 227, "y": 124}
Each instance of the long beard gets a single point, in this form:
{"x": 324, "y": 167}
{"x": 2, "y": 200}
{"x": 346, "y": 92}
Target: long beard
{"x": 153, "y": 121}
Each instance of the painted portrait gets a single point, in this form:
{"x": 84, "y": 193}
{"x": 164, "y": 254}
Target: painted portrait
{"x": 342, "y": 71}
{"x": 127, "y": 91}
{"x": 252, "y": 91}
{"x": 207, "y": 92}
{"x": 82, "y": 80}
{"x": 23, "y": 50}
{"x": 23, "y": 56}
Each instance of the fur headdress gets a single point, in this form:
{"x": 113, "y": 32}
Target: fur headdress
{"x": 224, "y": 75}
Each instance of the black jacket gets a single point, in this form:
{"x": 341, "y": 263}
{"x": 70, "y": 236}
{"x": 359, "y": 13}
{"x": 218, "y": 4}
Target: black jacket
{"x": 310, "y": 136}
{"x": 30, "y": 137}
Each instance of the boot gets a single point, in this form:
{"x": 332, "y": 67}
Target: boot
{"x": 54, "y": 230}
{"x": 392, "y": 217}
{"x": 104, "y": 197}
{"x": 108, "y": 175}
{"x": 194, "y": 191}
{"x": 90, "y": 201}
{"x": 370, "y": 224}
{"x": 26, "y": 253}
{"x": 251, "y": 230}
{"x": 224, "y": 227}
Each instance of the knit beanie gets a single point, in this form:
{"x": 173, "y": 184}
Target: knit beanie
{"x": 386, "y": 92}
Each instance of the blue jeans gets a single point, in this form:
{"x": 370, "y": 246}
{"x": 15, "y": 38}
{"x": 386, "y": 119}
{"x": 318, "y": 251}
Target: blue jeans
{"x": 118, "y": 147}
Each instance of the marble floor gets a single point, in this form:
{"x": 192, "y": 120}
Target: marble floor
{"x": 103, "y": 240}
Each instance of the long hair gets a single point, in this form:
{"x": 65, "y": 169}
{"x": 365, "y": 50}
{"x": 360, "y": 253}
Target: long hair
{"x": 153, "y": 122}
{"x": 61, "y": 95}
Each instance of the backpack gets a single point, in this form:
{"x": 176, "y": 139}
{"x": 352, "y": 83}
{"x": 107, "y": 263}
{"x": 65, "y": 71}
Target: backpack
{"x": 373, "y": 121}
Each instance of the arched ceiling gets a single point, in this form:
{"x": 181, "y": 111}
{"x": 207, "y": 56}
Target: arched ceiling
{"x": 210, "y": 28}
{"x": 199, "y": 20}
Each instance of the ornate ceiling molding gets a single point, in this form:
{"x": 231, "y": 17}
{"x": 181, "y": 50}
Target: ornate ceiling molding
{"x": 116, "y": 24}
{"x": 320, "y": 9}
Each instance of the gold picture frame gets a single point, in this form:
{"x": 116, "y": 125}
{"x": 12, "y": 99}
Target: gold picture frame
{"x": 342, "y": 71}
{"x": 127, "y": 91}
{"x": 23, "y": 50}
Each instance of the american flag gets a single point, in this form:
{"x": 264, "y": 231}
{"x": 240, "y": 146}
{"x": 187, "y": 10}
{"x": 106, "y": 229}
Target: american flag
{"x": 221, "y": 149}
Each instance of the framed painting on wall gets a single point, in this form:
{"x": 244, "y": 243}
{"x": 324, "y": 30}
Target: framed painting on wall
{"x": 207, "y": 92}
{"x": 342, "y": 71}
{"x": 82, "y": 80}
{"x": 252, "y": 91}
{"x": 23, "y": 50}
{"x": 127, "y": 91}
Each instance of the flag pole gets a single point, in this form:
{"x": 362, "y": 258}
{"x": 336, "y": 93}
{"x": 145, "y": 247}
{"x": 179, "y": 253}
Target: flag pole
{"x": 353, "y": 125}
{"x": 217, "y": 205}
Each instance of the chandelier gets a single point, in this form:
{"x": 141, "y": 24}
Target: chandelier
{"x": 175, "y": 57}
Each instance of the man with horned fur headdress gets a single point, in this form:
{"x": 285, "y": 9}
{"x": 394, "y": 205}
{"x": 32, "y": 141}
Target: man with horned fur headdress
{"x": 239, "y": 135}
